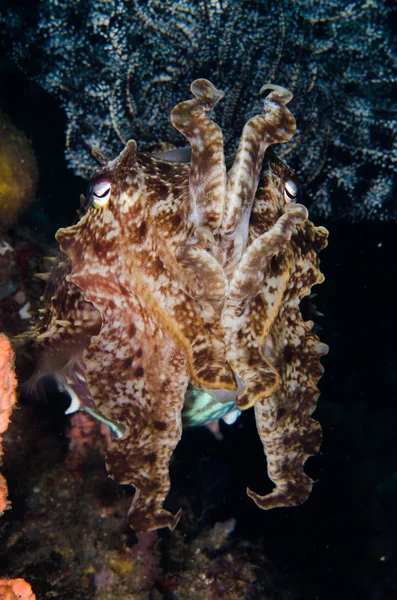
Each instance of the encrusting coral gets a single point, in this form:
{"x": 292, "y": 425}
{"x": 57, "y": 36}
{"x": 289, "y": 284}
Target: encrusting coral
{"x": 15, "y": 589}
{"x": 8, "y": 384}
{"x": 10, "y": 589}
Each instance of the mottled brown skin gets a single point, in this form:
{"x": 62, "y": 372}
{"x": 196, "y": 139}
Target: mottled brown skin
{"x": 191, "y": 274}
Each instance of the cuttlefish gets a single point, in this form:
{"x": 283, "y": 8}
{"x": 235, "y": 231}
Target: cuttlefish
{"x": 178, "y": 298}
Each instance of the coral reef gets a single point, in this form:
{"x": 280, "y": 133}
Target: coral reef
{"x": 84, "y": 434}
{"x": 69, "y": 533}
{"x": 8, "y": 384}
{"x": 119, "y": 67}
{"x": 212, "y": 565}
{"x": 22, "y": 256}
{"x": 18, "y": 172}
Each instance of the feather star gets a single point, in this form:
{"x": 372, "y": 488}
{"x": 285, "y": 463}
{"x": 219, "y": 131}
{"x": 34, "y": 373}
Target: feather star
{"x": 181, "y": 291}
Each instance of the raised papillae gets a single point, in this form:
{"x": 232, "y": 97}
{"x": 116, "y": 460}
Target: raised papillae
{"x": 178, "y": 299}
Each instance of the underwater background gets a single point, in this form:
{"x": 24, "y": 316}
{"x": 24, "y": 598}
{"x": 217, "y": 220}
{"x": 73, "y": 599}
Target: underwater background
{"x": 63, "y": 87}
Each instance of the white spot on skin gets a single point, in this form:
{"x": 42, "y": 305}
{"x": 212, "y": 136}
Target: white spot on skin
{"x": 107, "y": 216}
{"x": 127, "y": 201}
{"x": 114, "y": 231}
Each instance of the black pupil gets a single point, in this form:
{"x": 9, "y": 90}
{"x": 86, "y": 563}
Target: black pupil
{"x": 290, "y": 194}
{"x": 292, "y": 189}
{"x": 105, "y": 193}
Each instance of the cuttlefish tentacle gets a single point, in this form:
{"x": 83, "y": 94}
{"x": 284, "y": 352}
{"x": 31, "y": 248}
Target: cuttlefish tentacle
{"x": 202, "y": 278}
{"x": 207, "y": 174}
{"x": 247, "y": 317}
{"x": 276, "y": 125}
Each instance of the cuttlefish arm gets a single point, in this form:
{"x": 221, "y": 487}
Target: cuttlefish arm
{"x": 249, "y": 315}
{"x": 284, "y": 420}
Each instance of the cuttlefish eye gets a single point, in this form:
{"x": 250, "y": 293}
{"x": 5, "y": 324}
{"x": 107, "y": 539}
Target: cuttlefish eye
{"x": 99, "y": 193}
{"x": 292, "y": 190}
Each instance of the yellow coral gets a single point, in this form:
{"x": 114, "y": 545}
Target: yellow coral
{"x": 18, "y": 171}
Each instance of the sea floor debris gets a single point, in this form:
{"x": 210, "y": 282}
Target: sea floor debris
{"x": 68, "y": 533}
